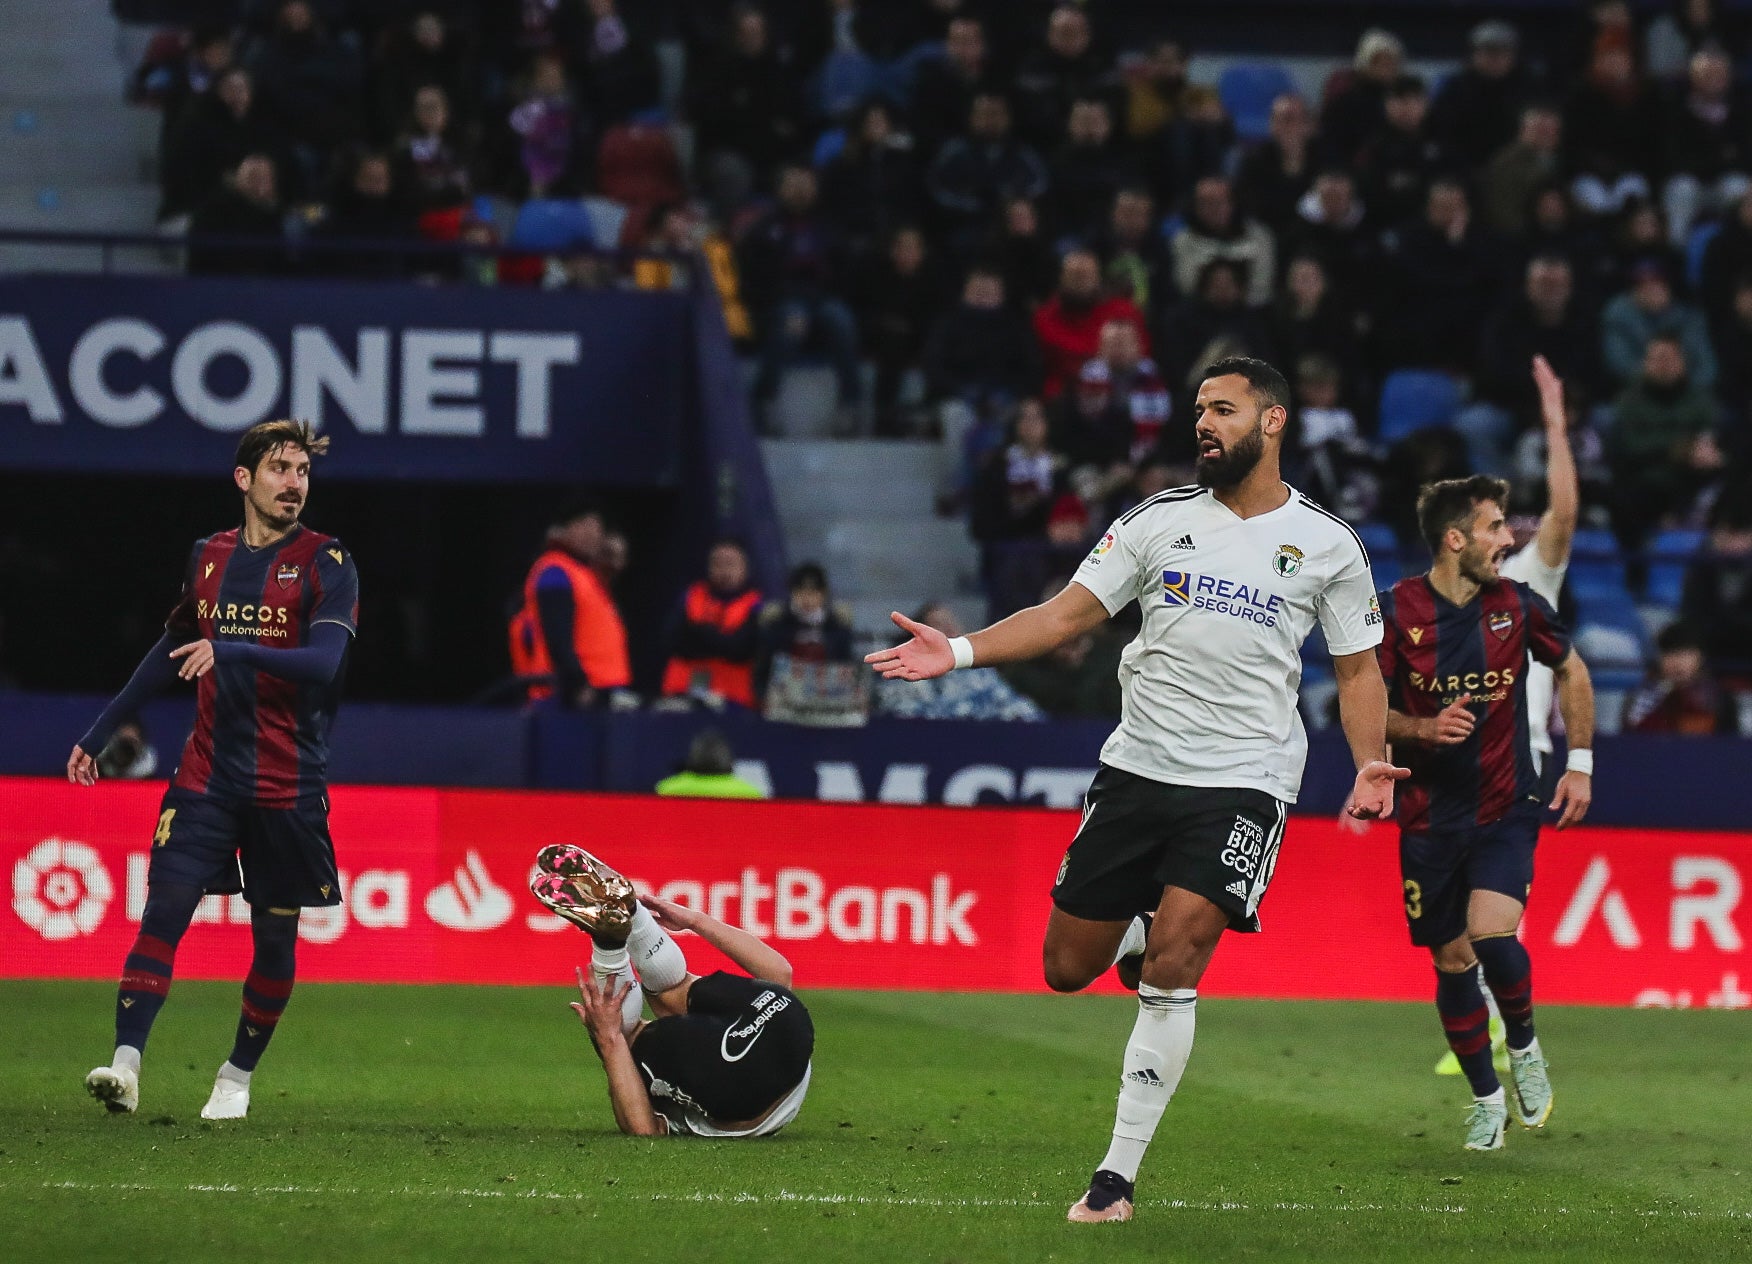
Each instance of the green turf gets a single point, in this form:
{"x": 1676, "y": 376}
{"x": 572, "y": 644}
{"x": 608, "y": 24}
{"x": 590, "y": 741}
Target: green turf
{"x": 469, "y": 1124}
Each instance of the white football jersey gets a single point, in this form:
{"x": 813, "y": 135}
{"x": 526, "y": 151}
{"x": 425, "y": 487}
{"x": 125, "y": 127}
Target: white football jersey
{"x": 1210, "y": 682}
{"x": 1528, "y": 567}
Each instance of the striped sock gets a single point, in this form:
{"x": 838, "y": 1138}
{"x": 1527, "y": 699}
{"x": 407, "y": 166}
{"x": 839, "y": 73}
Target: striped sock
{"x": 1509, "y": 971}
{"x": 146, "y": 973}
{"x": 268, "y": 986}
{"x": 1466, "y": 1022}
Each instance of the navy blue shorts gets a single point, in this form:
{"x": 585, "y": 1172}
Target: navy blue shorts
{"x": 1442, "y": 870}
{"x": 278, "y": 857}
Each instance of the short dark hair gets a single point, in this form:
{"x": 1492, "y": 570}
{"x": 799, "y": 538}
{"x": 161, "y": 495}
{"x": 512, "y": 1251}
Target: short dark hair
{"x": 808, "y": 575}
{"x": 1266, "y": 382}
{"x": 1407, "y": 86}
{"x": 569, "y": 511}
{"x": 709, "y": 755}
{"x": 1452, "y": 502}
{"x": 1679, "y": 635}
{"x": 269, "y": 436}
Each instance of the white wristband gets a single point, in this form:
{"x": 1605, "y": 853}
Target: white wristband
{"x": 962, "y": 648}
{"x": 1581, "y": 761}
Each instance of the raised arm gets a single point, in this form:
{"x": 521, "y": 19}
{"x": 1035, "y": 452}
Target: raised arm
{"x": 1557, "y": 529}
{"x": 1026, "y": 634}
{"x": 1575, "y": 702}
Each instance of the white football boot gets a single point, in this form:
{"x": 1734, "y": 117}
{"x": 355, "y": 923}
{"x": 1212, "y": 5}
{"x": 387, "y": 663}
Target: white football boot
{"x": 118, "y": 1088}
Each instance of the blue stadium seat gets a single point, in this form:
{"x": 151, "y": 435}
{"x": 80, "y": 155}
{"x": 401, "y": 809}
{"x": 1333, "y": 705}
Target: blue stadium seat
{"x": 548, "y": 225}
{"x": 1610, "y": 636}
{"x": 1415, "y": 399}
{"x": 1696, "y": 246}
{"x": 1670, "y": 552}
{"x": 1247, "y": 90}
{"x": 1596, "y": 569}
{"x": 845, "y": 78}
{"x": 828, "y": 146}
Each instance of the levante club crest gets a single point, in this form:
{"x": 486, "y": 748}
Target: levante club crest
{"x": 287, "y": 574}
{"x": 1287, "y": 560}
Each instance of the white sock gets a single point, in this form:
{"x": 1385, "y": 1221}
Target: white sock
{"x": 1155, "y": 1057}
{"x": 238, "y": 1074}
{"x": 127, "y": 1057}
{"x": 612, "y": 969}
{"x": 658, "y": 961}
{"x": 1495, "y": 1099}
{"x": 1132, "y": 942}
{"x": 1531, "y": 1049}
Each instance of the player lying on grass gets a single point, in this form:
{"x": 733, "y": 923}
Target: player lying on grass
{"x": 726, "y": 1055}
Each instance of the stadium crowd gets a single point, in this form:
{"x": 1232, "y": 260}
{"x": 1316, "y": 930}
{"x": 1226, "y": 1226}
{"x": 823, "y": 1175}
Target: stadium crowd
{"x": 998, "y": 228}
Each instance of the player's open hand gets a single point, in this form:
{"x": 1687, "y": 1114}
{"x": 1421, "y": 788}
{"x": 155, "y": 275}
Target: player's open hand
{"x": 1371, "y": 798}
{"x": 197, "y": 659}
{"x": 81, "y": 768}
{"x": 926, "y": 655}
{"x": 669, "y": 915}
{"x": 1454, "y": 723}
{"x": 1575, "y": 794}
{"x": 600, "y": 1011}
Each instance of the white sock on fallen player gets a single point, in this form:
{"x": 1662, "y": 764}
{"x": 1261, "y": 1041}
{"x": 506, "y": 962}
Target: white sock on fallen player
{"x": 657, "y": 959}
{"x": 611, "y": 969}
{"x": 1155, "y": 1057}
{"x": 1132, "y": 942}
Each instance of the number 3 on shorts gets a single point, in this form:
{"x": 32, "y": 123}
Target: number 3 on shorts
{"x": 1413, "y": 898}
{"x": 162, "y": 836}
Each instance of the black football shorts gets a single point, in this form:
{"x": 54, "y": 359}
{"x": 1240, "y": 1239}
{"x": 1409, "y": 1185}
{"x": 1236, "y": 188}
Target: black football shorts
{"x": 278, "y": 857}
{"x": 1141, "y": 836}
{"x": 1440, "y": 871}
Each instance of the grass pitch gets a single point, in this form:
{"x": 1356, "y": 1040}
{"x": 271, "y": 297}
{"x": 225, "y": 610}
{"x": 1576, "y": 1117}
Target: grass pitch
{"x": 446, "y": 1125}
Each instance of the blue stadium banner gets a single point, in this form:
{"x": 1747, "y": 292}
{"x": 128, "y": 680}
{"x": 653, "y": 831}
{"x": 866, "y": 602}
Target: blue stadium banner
{"x": 147, "y": 374}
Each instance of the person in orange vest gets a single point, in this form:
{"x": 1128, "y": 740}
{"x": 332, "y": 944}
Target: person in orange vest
{"x": 714, "y": 633}
{"x": 567, "y": 636}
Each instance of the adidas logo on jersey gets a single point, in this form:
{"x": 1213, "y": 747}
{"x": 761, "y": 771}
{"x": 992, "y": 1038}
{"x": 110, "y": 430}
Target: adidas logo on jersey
{"x": 1238, "y": 889}
{"x": 1184, "y": 542}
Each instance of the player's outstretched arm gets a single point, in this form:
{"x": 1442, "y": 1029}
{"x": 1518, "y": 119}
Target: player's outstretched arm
{"x": 1026, "y": 634}
{"x": 600, "y": 1012}
{"x": 1563, "y": 491}
{"x": 760, "y": 959}
{"x": 1362, "y": 711}
{"x": 1575, "y": 702}
{"x": 155, "y": 674}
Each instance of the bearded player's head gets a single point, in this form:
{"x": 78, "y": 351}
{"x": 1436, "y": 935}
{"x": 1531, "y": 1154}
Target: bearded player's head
{"x": 273, "y": 471}
{"x": 1463, "y": 522}
{"x": 1242, "y": 407}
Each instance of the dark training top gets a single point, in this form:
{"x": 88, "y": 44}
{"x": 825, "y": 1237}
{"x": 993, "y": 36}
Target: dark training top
{"x": 1434, "y": 653}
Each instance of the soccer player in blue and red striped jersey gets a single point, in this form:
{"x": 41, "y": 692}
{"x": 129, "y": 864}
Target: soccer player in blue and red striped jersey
{"x": 267, "y": 613}
{"x": 1455, "y": 652}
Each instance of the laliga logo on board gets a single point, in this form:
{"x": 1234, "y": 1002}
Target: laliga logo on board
{"x": 61, "y": 889}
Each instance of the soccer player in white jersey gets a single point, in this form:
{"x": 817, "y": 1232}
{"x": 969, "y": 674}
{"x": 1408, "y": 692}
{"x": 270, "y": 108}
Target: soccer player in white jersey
{"x": 1182, "y": 824}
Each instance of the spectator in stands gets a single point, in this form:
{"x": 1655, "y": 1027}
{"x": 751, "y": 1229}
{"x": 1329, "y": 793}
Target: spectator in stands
{"x": 311, "y": 84}
{"x": 618, "y": 67}
{"x": 1134, "y": 254}
{"x": 1017, "y": 483}
{"x": 1680, "y": 696}
{"x": 130, "y": 755}
{"x": 1079, "y": 679}
{"x": 1115, "y": 417}
{"x": 805, "y": 629}
{"x": 1341, "y": 470}
{"x": 1673, "y": 38}
{"x": 1612, "y": 138}
{"x": 944, "y": 88}
{"x": 1402, "y": 158}
{"x": 247, "y": 206}
{"x": 1329, "y": 224}
{"x": 433, "y": 168}
{"x": 567, "y": 637}
{"x": 1215, "y": 230}
{"x": 981, "y": 355}
{"x": 1355, "y": 102}
{"x": 900, "y": 296}
{"x": 1309, "y": 319}
{"x": 1478, "y": 110}
{"x": 1088, "y": 170}
{"x": 1648, "y": 309}
{"x": 173, "y": 84}
{"x": 871, "y": 187}
{"x": 1704, "y": 142}
{"x": 1732, "y": 340}
{"x": 1438, "y": 274}
{"x": 1275, "y": 173}
{"x": 1726, "y": 260}
{"x": 1067, "y": 70}
{"x": 215, "y": 133}
{"x": 517, "y": 30}
{"x": 1639, "y": 237}
{"x": 1555, "y": 229}
{"x": 977, "y": 693}
{"x": 713, "y": 634}
{"x": 1019, "y": 247}
{"x": 549, "y": 131}
{"x": 1544, "y": 319}
{"x": 1155, "y": 90}
{"x": 791, "y": 275}
{"x": 709, "y": 773}
{"x": 1199, "y": 143}
{"x": 1717, "y": 597}
{"x": 746, "y": 106}
{"x": 1662, "y": 444}
{"x": 1514, "y": 172}
{"x": 692, "y": 240}
{"x": 984, "y": 168}
{"x": 423, "y": 52}
{"x": 1068, "y": 325}
{"x": 1215, "y": 323}
{"x": 365, "y": 208}
{"x": 1425, "y": 456}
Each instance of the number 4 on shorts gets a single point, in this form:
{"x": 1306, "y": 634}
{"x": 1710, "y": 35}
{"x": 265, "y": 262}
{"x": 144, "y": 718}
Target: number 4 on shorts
{"x": 162, "y": 836}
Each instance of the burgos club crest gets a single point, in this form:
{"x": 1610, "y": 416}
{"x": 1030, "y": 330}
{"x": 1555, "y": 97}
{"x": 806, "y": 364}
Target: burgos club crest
{"x": 1287, "y": 560}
